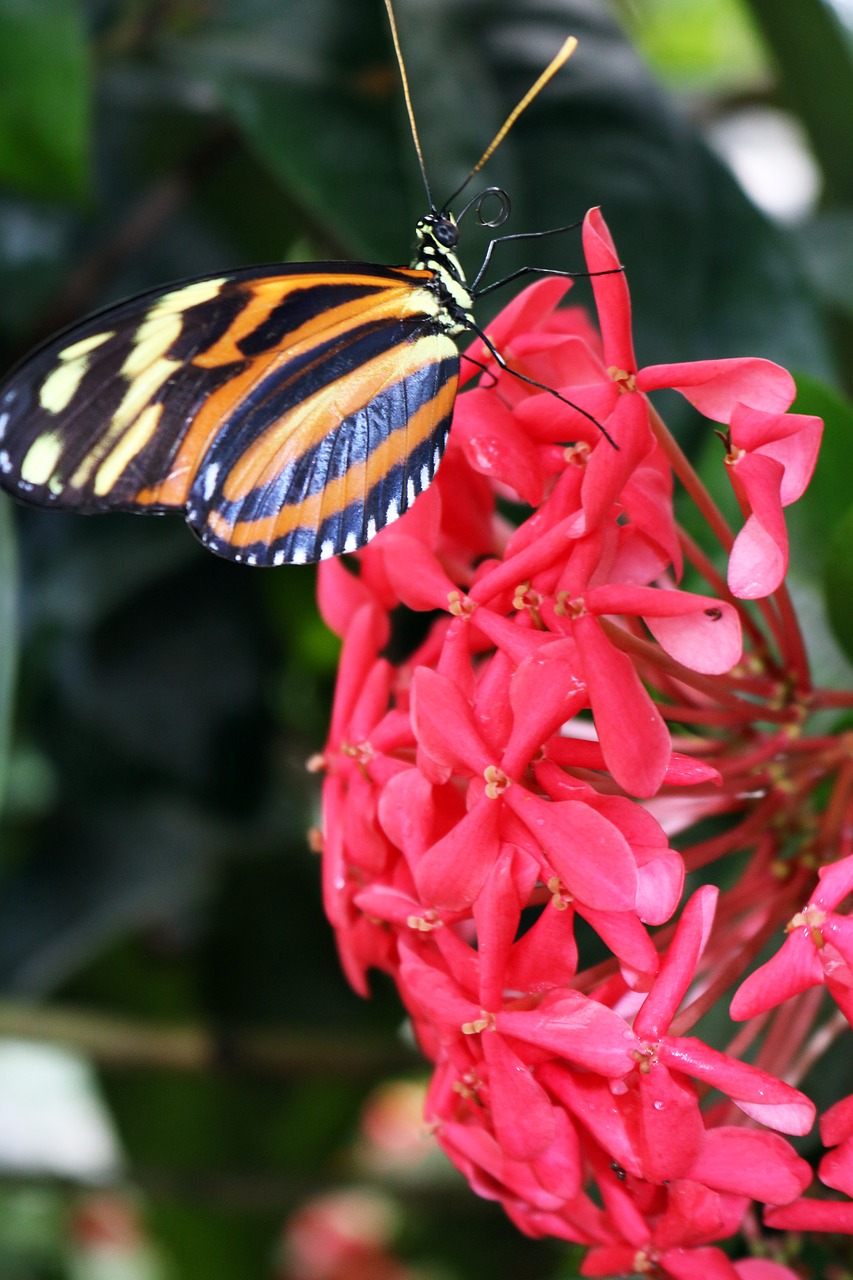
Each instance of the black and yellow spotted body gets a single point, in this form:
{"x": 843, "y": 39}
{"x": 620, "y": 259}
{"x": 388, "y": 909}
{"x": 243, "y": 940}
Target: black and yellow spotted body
{"x": 289, "y": 413}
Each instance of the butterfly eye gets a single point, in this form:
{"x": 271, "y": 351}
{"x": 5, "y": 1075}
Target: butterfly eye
{"x": 446, "y": 234}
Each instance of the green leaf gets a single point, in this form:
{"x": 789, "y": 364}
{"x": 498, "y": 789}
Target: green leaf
{"x": 826, "y": 243}
{"x": 699, "y": 44}
{"x": 838, "y": 582}
{"x": 45, "y": 98}
{"x": 8, "y": 636}
{"x": 811, "y": 48}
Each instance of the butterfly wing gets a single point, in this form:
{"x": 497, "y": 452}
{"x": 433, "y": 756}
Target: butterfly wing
{"x": 289, "y": 415}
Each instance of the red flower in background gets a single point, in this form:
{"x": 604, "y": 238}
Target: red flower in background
{"x": 570, "y": 707}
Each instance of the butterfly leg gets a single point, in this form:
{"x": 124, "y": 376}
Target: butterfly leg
{"x": 487, "y": 342}
{"x": 518, "y": 235}
{"x": 543, "y": 271}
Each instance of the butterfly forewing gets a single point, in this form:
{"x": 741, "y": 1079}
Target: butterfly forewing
{"x": 290, "y": 415}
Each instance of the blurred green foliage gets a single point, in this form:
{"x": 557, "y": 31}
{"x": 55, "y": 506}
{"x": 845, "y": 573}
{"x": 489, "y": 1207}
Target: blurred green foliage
{"x": 153, "y": 854}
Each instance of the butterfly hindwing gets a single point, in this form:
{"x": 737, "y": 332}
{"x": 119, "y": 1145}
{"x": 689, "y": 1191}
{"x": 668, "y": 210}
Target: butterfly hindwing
{"x": 290, "y": 415}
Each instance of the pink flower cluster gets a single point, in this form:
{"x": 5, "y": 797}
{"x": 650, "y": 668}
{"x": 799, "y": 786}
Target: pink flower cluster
{"x": 499, "y": 804}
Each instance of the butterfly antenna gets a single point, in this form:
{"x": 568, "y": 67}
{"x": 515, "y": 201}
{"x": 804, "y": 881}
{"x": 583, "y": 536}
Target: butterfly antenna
{"x": 414, "y": 128}
{"x": 559, "y": 59}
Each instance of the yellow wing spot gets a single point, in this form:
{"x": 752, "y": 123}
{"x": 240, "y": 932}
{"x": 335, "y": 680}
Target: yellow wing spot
{"x": 41, "y": 458}
{"x": 189, "y": 296}
{"x": 60, "y": 384}
{"x": 132, "y": 442}
{"x": 163, "y": 323}
{"x": 135, "y": 405}
{"x": 59, "y": 387}
{"x": 152, "y": 340}
{"x": 140, "y": 392}
{"x": 85, "y": 345}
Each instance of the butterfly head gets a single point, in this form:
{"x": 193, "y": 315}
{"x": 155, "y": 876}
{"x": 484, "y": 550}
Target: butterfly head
{"x": 436, "y": 251}
{"x": 437, "y": 238}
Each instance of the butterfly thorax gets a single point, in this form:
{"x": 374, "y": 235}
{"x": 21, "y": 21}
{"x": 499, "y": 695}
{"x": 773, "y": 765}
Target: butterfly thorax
{"x": 438, "y": 236}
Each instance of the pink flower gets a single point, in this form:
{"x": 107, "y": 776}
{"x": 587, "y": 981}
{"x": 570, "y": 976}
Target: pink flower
{"x": 836, "y": 1130}
{"x": 772, "y": 453}
{"x": 818, "y": 949}
{"x": 770, "y": 460}
{"x": 495, "y": 802}
{"x": 835, "y": 1170}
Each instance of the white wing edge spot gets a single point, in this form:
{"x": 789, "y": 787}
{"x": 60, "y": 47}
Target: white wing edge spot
{"x": 370, "y": 531}
{"x": 211, "y": 475}
{"x": 5, "y": 463}
{"x": 299, "y": 556}
{"x": 425, "y": 477}
{"x": 279, "y": 557}
{"x": 327, "y": 549}
{"x": 350, "y": 542}
{"x": 4, "y": 418}
{"x": 393, "y": 512}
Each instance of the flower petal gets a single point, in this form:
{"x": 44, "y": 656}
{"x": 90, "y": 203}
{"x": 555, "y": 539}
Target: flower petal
{"x": 679, "y": 966}
{"x": 589, "y": 854}
{"x": 522, "y": 1114}
{"x": 495, "y": 447}
{"x": 607, "y": 472}
{"x": 632, "y": 733}
{"x": 367, "y": 633}
{"x": 792, "y": 439}
{"x": 546, "y": 955}
{"x": 745, "y": 1162}
{"x": 528, "y": 310}
{"x": 759, "y": 557}
{"x": 697, "y": 1264}
{"x": 545, "y": 691}
{"x": 812, "y": 1215}
{"x": 576, "y": 1028}
{"x": 763, "y": 1269}
{"x": 625, "y": 936}
{"x": 715, "y": 387}
{"x": 760, "y": 1095}
{"x": 672, "y": 1128}
{"x": 703, "y": 633}
{"x": 612, "y": 299}
{"x": 444, "y": 723}
{"x": 340, "y": 594}
{"x": 417, "y": 575}
{"x": 497, "y": 911}
{"x": 452, "y": 872}
{"x": 836, "y": 1168}
{"x": 794, "y": 968}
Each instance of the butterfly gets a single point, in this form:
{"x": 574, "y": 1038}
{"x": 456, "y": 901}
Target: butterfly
{"x": 288, "y": 412}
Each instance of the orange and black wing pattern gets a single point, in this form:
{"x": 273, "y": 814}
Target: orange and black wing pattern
{"x": 289, "y": 413}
